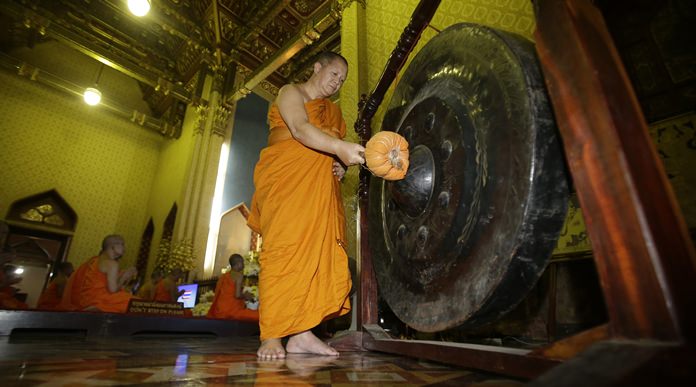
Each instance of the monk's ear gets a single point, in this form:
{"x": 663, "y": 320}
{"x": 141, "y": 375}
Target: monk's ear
{"x": 317, "y": 67}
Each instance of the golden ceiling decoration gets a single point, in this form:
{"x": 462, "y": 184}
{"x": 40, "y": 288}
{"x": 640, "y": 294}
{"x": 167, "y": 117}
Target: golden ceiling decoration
{"x": 166, "y": 49}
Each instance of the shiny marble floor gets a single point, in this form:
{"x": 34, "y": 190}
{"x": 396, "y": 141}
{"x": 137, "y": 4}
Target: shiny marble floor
{"x": 203, "y": 361}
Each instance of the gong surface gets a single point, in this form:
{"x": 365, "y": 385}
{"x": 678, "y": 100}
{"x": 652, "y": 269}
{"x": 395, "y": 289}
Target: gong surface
{"x": 469, "y": 230}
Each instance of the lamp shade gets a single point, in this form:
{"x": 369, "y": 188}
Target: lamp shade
{"x": 92, "y": 96}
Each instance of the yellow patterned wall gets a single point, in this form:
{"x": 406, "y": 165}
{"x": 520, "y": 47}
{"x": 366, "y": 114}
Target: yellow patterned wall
{"x": 386, "y": 20}
{"x": 675, "y": 141}
{"x": 169, "y": 180}
{"x": 103, "y": 166}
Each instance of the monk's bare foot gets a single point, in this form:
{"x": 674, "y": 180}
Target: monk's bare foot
{"x": 271, "y": 349}
{"x": 306, "y": 342}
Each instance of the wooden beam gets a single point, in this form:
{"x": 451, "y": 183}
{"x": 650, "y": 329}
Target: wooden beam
{"x": 642, "y": 249}
{"x": 521, "y": 363}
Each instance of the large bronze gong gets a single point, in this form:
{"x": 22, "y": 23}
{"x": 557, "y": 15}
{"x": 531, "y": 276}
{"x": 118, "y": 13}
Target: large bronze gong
{"x": 468, "y": 232}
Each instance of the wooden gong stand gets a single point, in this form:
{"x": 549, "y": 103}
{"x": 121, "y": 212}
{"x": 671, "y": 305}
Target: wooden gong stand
{"x": 644, "y": 257}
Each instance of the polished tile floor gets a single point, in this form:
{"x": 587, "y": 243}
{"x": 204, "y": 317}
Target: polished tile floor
{"x": 191, "y": 361}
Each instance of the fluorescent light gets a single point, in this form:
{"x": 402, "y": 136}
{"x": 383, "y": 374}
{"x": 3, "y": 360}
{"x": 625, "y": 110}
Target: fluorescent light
{"x": 139, "y": 7}
{"x": 92, "y": 96}
{"x": 215, "y": 212}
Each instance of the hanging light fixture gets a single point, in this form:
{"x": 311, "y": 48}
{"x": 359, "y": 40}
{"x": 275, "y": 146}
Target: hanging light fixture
{"x": 92, "y": 95}
{"x": 139, "y": 7}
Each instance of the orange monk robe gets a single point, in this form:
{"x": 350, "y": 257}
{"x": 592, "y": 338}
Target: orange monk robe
{"x": 297, "y": 209}
{"x": 9, "y": 301}
{"x": 87, "y": 287}
{"x": 50, "y": 298}
{"x": 226, "y": 305}
{"x": 161, "y": 292}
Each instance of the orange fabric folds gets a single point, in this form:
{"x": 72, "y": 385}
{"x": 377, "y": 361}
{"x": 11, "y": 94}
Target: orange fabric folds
{"x": 161, "y": 293}
{"x": 297, "y": 209}
{"x": 226, "y": 305}
{"x": 50, "y": 298}
{"x": 87, "y": 287}
{"x": 8, "y": 300}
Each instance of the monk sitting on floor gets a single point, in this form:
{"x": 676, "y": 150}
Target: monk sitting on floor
{"x": 97, "y": 284}
{"x": 147, "y": 291}
{"x": 166, "y": 289}
{"x": 51, "y": 296}
{"x": 228, "y": 302}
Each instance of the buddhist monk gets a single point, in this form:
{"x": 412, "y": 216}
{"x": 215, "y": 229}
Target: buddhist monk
{"x": 228, "y": 302}
{"x": 297, "y": 209}
{"x": 147, "y": 291}
{"x": 51, "y": 296}
{"x": 166, "y": 289}
{"x": 98, "y": 284}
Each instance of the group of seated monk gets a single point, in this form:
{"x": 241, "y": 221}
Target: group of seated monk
{"x": 100, "y": 285}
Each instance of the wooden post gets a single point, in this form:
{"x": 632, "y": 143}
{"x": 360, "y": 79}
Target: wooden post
{"x": 644, "y": 256}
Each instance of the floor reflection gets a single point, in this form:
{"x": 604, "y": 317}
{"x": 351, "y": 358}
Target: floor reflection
{"x": 211, "y": 362}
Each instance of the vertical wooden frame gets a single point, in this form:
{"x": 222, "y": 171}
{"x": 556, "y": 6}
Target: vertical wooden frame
{"x": 641, "y": 246}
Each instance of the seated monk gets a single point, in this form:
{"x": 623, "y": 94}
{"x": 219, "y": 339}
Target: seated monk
{"x": 97, "y": 284}
{"x": 228, "y": 302}
{"x": 51, "y": 296}
{"x": 147, "y": 291}
{"x": 8, "y": 293}
{"x": 166, "y": 289}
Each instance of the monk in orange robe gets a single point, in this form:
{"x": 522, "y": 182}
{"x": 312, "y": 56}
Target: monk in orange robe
{"x": 98, "y": 284}
{"x": 298, "y": 210}
{"x": 147, "y": 291}
{"x": 166, "y": 289}
{"x": 228, "y": 302}
{"x": 51, "y": 296}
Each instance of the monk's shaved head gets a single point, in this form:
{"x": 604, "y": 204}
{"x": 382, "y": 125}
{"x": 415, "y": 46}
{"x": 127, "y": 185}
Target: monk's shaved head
{"x": 111, "y": 240}
{"x": 327, "y": 57}
{"x": 236, "y": 259}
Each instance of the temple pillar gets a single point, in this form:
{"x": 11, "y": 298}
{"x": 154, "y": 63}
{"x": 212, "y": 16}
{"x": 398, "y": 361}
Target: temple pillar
{"x": 213, "y": 128}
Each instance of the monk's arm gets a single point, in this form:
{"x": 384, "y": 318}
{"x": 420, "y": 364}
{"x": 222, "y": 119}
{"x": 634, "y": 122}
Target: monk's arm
{"x": 238, "y": 279}
{"x": 291, "y": 106}
{"x": 113, "y": 282}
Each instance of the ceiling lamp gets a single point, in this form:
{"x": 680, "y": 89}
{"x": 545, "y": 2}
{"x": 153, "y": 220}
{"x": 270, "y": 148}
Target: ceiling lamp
{"x": 139, "y": 7}
{"x": 92, "y": 95}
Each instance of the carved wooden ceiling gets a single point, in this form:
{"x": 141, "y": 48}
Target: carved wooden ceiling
{"x": 166, "y": 49}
